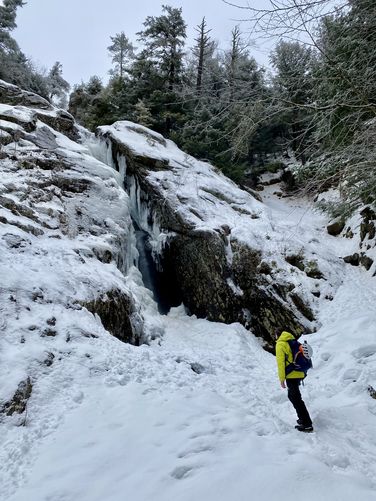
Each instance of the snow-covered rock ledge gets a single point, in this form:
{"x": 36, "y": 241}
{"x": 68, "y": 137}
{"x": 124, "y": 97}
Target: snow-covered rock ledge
{"x": 223, "y": 252}
{"x": 65, "y": 234}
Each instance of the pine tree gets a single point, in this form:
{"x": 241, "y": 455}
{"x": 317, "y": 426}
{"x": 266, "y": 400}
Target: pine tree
{"x": 14, "y": 66}
{"x": 201, "y": 51}
{"x": 164, "y": 38}
{"x": 142, "y": 114}
{"x": 8, "y": 13}
{"x": 122, "y": 52}
{"x": 58, "y": 87}
{"x": 233, "y": 59}
{"x": 91, "y": 104}
{"x": 293, "y": 84}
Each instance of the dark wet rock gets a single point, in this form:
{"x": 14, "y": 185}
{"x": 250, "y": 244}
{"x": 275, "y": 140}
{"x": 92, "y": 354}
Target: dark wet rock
{"x": 288, "y": 178}
{"x": 368, "y": 213}
{"x": 310, "y": 268}
{"x": 367, "y": 227}
{"x": 366, "y": 261}
{"x": 266, "y": 303}
{"x": 37, "y": 296}
{"x": 296, "y": 260}
{"x": 198, "y": 266}
{"x": 117, "y": 311}
{"x": 18, "y": 402}
{"x": 336, "y": 227}
{"x": 50, "y": 163}
{"x": 353, "y": 259}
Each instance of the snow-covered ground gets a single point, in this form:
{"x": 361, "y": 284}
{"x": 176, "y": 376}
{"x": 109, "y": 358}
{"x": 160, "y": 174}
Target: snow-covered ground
{"x": 199, "y": 414}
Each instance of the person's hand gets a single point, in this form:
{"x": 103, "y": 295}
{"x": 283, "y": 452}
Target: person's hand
{"x": 283, "y": 384}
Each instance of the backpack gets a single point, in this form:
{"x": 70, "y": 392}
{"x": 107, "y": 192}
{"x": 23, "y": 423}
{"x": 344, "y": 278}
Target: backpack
{"x": 301, "y": 356}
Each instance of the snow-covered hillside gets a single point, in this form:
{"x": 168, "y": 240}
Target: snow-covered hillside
{"x": 198, "y": 412}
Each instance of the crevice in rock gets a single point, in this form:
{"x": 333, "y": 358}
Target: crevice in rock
{"x": 157, "y": 274}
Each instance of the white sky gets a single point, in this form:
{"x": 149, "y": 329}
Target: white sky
{"x": 77, "y": 32}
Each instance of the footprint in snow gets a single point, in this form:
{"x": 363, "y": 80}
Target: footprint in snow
{"x": 365, "y": 351}
{"x": 182, "y": 472}
{"x": 195, "y": 450}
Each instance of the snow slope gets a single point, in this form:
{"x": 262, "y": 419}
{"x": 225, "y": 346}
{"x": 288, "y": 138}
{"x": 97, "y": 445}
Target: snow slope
{"x": 199, "y": 413}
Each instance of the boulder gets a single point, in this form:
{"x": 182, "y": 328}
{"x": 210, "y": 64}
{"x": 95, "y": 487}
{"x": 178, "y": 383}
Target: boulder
{"x": 352, "y": 259}
{"x": 336, "y": 227}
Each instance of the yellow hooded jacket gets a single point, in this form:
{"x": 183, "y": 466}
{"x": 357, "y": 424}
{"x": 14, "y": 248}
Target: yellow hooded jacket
{"x": 284, "y": 357}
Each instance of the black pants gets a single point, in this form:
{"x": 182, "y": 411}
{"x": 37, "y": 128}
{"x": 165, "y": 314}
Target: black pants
{"x": 293, "y": 393}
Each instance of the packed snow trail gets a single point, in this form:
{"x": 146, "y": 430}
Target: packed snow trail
{"x": 199, "y": 413}
{"x": 150, "y": 427}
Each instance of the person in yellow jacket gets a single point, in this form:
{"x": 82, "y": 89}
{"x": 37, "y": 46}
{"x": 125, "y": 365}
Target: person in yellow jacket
{"x": 292, "y": 380}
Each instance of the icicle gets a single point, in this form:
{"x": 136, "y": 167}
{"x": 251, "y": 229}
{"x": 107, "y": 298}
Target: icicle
{"x": 229, "y": 252}
{"x": 122, "y": 163}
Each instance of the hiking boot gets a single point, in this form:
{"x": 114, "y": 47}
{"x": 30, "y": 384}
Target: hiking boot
{"x": 304, "y": 428}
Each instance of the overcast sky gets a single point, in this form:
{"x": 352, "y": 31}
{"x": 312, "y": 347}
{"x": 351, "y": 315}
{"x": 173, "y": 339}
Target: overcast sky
{"x": 77, "y": 32}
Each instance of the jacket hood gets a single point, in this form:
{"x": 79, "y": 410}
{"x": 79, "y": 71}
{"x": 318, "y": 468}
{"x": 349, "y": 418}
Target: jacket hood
{"x": 285, "y": 336}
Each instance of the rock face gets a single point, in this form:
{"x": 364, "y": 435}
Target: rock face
{"x": 118, "y": 314}
{"x": 212, "y": 248}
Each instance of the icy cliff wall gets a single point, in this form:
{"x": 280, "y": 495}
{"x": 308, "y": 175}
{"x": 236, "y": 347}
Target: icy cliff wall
{"x": 216, "y": 243}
